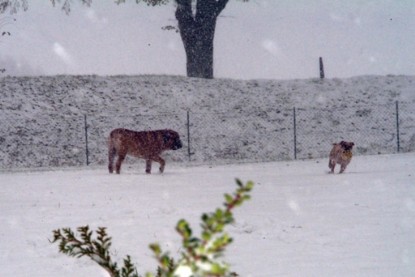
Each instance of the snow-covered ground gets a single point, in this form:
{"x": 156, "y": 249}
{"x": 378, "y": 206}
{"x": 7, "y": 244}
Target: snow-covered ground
{"x": 301, "y": 221}
{"x": 42, "y": 119}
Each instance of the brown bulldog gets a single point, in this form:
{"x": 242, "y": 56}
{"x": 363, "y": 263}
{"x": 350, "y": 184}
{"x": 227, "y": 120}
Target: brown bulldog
{"x": 145, "y": 144}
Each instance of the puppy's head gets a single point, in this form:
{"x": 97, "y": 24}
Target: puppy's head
{"x": 347, "y": 145}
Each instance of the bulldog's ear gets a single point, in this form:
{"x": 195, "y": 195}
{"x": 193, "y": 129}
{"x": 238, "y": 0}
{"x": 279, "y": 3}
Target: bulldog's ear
{"x": 166, "y": 136}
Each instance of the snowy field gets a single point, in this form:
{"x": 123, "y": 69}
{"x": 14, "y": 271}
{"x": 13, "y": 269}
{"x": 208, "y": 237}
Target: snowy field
{"x": 301, "y": 220}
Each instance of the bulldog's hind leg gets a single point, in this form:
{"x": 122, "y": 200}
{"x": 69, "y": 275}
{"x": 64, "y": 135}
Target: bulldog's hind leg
{"x": 121, "y": 157}
{"x": 111, "y": 155}
{"x": 161, "y": 162}
{"x": 148, "y": 166}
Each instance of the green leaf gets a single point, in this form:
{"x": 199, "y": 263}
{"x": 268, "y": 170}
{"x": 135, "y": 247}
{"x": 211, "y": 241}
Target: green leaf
{"x": 206, "y": 236}
{"x": 165, "y": 261}
{"x": 239, "y": 183}
{"x": 184, "y": 229}
{"x": 249, "y": 185}
{"x": 155, "y": 247}
{"x": 228, "y": 198}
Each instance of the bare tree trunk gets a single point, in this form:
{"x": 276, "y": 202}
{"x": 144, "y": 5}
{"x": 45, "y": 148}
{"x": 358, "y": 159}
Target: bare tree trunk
{"x": 197, "y": 32}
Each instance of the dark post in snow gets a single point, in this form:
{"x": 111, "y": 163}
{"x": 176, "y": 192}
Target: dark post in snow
{"x": 321, "y": 68}
{"x": 295, "y": 133}
{"x": 86, "y": 141}
{"x": 188, "y": 135}
{"x": 397, "y": 127}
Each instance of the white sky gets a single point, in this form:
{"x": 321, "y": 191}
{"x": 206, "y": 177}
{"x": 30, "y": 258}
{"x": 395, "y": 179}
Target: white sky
{"x": 274, "y": 39}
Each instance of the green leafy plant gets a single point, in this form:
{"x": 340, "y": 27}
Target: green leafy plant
{"x": 96, "y": 249}
{"x": 201, "y": 256}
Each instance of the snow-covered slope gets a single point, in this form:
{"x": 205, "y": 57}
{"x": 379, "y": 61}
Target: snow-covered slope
{"x": 42, "y": 119}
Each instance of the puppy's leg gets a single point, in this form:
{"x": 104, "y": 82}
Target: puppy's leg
{"x": 343, "y": 167}
{"x": 332, "y": 165}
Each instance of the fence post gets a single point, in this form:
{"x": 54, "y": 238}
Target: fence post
{"x": 295, "y": 134}
{"x": 86, "y": 141}
{"x": 188, "y": 134}
{"x": 397, "y": 127}
{"x": 321, "y": 68}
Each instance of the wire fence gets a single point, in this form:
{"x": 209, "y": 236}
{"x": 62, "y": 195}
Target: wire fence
{"x": 286, "y": 134}
{"x": 301, "y": 133}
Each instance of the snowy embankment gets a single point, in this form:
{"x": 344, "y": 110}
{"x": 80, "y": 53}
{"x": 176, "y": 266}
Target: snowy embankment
{"x": 43, "y": 118}
{"x": 300, "y": 221}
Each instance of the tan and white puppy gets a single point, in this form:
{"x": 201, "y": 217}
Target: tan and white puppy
{"x": 341, "y": 153}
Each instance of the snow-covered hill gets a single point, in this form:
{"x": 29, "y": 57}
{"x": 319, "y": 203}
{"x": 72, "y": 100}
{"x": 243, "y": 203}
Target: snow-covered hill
{"x": 43, "y": 119}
